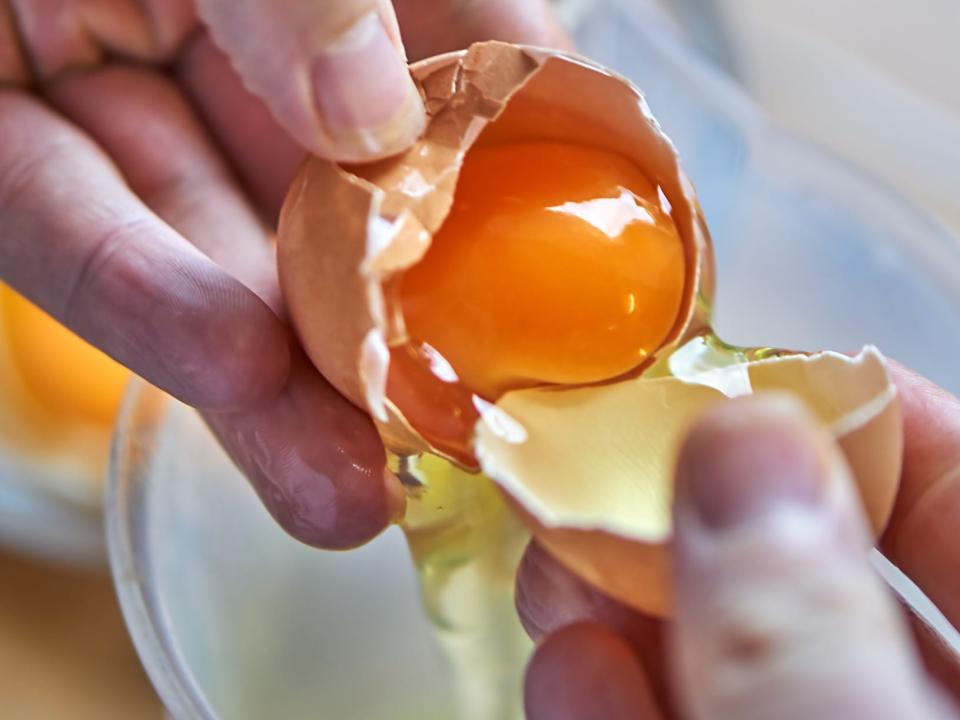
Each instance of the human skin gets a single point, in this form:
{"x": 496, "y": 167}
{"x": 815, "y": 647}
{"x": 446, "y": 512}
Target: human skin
{"x": 140, "y": 181}
{"x": 139, "y": 184}
{"x": 778, "y": 614}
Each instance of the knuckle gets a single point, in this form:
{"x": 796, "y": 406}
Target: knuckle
{"x": 103, "y": 262}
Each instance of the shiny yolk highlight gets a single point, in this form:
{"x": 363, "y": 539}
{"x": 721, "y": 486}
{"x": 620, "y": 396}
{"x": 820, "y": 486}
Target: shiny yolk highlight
{"x": 69, "y": 377}
{"x": 557, "y": 265}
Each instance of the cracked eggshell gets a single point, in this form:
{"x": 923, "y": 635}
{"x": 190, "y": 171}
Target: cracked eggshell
{"x": 592, "y": 473}
{"x": 346, "y": 230}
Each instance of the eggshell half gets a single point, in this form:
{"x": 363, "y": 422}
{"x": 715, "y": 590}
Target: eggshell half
{"x": 592, "y": 470}
{"x": 346, "y": 231}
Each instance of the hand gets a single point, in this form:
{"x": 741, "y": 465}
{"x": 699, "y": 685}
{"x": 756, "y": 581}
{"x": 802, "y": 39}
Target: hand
{"x": 140, "y": 181}
{"x": 778, "y": 613}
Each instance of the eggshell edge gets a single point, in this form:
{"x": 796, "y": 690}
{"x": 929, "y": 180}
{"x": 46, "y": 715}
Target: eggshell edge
{"x": 635, "y": 570}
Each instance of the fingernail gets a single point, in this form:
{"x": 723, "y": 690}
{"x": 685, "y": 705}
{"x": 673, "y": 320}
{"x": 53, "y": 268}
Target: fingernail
{"x": 750, "y": 458}
{"x": 364, "y": 92}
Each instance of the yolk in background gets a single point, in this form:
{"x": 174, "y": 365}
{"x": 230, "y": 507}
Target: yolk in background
{"x": 66, "y": 375}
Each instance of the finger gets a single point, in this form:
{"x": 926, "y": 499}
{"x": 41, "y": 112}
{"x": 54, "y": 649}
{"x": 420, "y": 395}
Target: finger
{"x": 147, "y": 127}
{"x": 77, "y": 242}
{"x": 550, "y": 597}
{"x": 13, "y": 65}
{"x": 58, "y": 36}
{"x": 263, "y": 155}
{"x": 53, "y": 36}
{"x": 336, "y": 493}
{"x": 329, "y": 71}
{"x": 778, "y": 613}
{"x": 170, "y": 24}
{"x": 941, "y": 660}
{"x": 431, "y": 27}
{"x": 922, "y": 538}
{"x": 584, "y": 672}
{"x": 315, "y": 460}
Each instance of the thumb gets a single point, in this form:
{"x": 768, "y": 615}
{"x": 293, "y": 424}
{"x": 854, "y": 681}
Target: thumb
{"x": 778, "y": 613}
{"x": 333, "y": 72}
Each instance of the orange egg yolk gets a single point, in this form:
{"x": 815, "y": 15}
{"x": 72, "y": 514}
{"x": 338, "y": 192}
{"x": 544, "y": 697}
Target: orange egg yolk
{"x": 558, "y": 264}
{"x": 67, "y": 376}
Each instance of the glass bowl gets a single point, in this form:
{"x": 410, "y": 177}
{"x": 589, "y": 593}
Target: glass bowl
{"x": 233, "y": 619}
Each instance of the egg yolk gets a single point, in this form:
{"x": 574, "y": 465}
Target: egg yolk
{"x": 558, "y": 264}
{"x": 69, "y": 377}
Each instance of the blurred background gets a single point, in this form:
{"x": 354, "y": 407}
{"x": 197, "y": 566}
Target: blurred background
{"x": 873, "y": 84}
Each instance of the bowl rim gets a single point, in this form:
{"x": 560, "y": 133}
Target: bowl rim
{"x": 128, "y": 556}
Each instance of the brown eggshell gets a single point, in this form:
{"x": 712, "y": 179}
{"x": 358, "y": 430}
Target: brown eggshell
{"x": 345, "y": 231}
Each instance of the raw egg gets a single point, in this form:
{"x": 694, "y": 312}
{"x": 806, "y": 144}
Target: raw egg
{"x": 557, "y": 264}
{"x": 527, "y": 292}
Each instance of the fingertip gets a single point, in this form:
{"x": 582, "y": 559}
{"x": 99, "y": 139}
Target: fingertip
{"x": 746, "y": 457}
{"x": 367, "y": 102}
{"x": 759, "y": 487}
{"x": 585, "y": 671}
{"x": 315, "y": 460}
{"x": 337, "y": 500}
{"x": 331, "y": 73}
{"x": 776, "y": 604}
{"x": 325, "y": 512}
{"x": 549, "y": 596}
{"x": 538, "y": 598}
